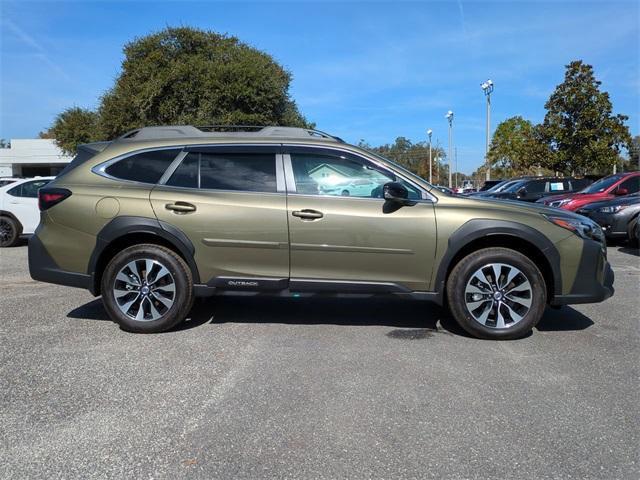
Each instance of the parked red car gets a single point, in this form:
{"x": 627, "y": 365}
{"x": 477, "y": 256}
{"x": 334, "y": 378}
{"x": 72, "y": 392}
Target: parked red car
{"x": 604, "y": 189}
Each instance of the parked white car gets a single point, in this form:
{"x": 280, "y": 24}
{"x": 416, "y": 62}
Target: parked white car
{"x": 19, "y": 212}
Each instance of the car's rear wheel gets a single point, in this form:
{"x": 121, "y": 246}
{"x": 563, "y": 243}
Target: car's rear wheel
{"x": 147, "y": 289}
{"x": 496, "y": 293}
{"x": 9, "y": 232}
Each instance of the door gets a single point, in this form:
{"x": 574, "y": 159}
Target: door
{"x": 22, "y": 201}
{"x": 231, "y": 203}
{"x": 354, "y": 241}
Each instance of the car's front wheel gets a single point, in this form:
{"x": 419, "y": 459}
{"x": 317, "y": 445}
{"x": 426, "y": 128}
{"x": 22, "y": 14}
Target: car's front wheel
{"x": 496, "y": 293}
{"x": 147, "y": 289}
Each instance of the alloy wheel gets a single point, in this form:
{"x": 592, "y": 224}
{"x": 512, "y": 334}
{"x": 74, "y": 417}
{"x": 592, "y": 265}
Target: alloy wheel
{"x": 498, "y": 295}
{"x": 144, "y": 290}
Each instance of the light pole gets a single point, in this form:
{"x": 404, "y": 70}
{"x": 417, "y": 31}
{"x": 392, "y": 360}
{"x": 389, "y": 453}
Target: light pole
{"x": 449, "y": 116}
{"x": 455, "y": 156}
{"x": 429, "y": 133}
{"x": 487, "y": 88}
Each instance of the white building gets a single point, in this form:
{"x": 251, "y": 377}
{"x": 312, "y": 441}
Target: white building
{"x": 32, "y": 157}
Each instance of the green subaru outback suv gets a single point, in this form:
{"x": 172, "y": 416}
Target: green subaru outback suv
{"x": 165, "y": 214}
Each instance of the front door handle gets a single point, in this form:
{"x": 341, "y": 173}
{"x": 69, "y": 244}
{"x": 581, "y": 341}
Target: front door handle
{"x": 307, "y": 214}
{"x": 181, "y": 207}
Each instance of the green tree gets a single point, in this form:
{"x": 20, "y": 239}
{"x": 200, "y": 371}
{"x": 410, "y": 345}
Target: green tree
{"x": 73, "y": 127}
{"x": 190, "y": 76}
{"x": 516, "y": 148}
{"x": 413, "y": 156}
{"x": 634, "y": 154}
{"x": 579, "y": 127}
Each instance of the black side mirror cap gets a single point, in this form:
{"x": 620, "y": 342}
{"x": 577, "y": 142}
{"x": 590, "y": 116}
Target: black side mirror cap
{"x": 397, "y": 193}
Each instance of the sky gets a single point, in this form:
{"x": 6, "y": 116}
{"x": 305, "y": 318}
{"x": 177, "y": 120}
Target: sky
{"x": 362, "y": 70}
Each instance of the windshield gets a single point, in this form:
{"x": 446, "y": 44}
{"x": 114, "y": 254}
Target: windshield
{"x": 497, "y": 186}
{"x": 504, "y": 186}
{"x": 404, "y": 170}
{"x": 514, "y": 187}
{"x": 601, "y": 185}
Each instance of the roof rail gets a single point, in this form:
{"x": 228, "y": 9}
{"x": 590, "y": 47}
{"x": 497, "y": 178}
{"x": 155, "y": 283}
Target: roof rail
{"x": 213, "y": 131}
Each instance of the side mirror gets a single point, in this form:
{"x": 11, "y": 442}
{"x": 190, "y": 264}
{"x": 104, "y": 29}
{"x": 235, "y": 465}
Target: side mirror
{"x": 522, "y": 192}
{"x": 395, "y": 192}
{"x": 622, "y": 191}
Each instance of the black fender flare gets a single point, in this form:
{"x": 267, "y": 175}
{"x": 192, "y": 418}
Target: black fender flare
{"x": 481, "y": 227}
{"x": 125, "y": 225}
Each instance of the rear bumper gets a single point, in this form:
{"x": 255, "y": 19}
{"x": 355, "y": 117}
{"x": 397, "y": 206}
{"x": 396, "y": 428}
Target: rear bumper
{"x": 44, "y": 269}
{"x": 594, "y": 281}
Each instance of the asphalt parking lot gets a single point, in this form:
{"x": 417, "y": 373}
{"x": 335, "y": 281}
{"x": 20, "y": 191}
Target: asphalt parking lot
{"x": 299, "y": 388}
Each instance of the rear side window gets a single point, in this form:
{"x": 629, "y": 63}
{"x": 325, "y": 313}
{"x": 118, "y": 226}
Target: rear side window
{"x": 28, "y": 189}
{"x": 145, "y": 167}
{"x": 246, "y": 172}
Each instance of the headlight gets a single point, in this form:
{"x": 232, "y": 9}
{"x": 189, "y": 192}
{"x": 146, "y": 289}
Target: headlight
{"x": 559, "y": 203}
{"x": 615, "y": 209}
{"x": 583, "y": 227}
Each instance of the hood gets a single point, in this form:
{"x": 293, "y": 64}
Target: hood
{"x": 633, "y": 199}
{"x": 573, "y": 196}
{"x": 534, "y": 208}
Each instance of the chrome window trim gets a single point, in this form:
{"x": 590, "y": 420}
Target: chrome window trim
{"x": 290, "y": 177}
{"x": 290, "y": 180}
{"x": 171, "y": 169}
{"x": 280, "y": 180}
{"x": 379, "y": 200}
{"x": 213, "y": 190}
{"x": 101, "y": 167}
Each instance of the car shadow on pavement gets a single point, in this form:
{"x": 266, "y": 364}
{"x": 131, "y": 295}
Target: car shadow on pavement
{"x": 412, "y": 318}
{"x": 563, "y": 320}
{"x": 301, "y": 311}
{"x": 630, "y": 250}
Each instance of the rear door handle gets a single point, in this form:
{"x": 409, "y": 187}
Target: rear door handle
{"x": 307, "y": 214}
{"x": 181, "y": 207}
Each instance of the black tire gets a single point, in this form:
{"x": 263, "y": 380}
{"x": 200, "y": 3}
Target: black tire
{"x": 10, "y": 231}
{"x": 463, "y": 272}
{"x": 180, "y": 276}
{"x": 632, "y": 232}
{"x": 345, "y": 193}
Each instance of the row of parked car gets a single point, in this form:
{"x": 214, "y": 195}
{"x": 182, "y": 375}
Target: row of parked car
{"x": 613, "y": 201}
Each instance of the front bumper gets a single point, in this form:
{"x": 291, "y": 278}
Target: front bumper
{"x": 612, "y": 225}
{"x": 594, "y": 279}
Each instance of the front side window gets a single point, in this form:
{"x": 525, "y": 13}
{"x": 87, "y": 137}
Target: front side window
{"x": 146, "y": 167}
{"x": 333, "y": 175}
{"x": 245, "y": 172}
{"x": 537, "y": 186}
{"x": 632, "y": 185}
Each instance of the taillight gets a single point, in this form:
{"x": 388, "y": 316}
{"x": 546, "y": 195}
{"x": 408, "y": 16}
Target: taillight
{"x": 48, "y": 197}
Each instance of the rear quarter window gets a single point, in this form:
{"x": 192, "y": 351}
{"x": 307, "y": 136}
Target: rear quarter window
{"x": 145, "y": 167}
